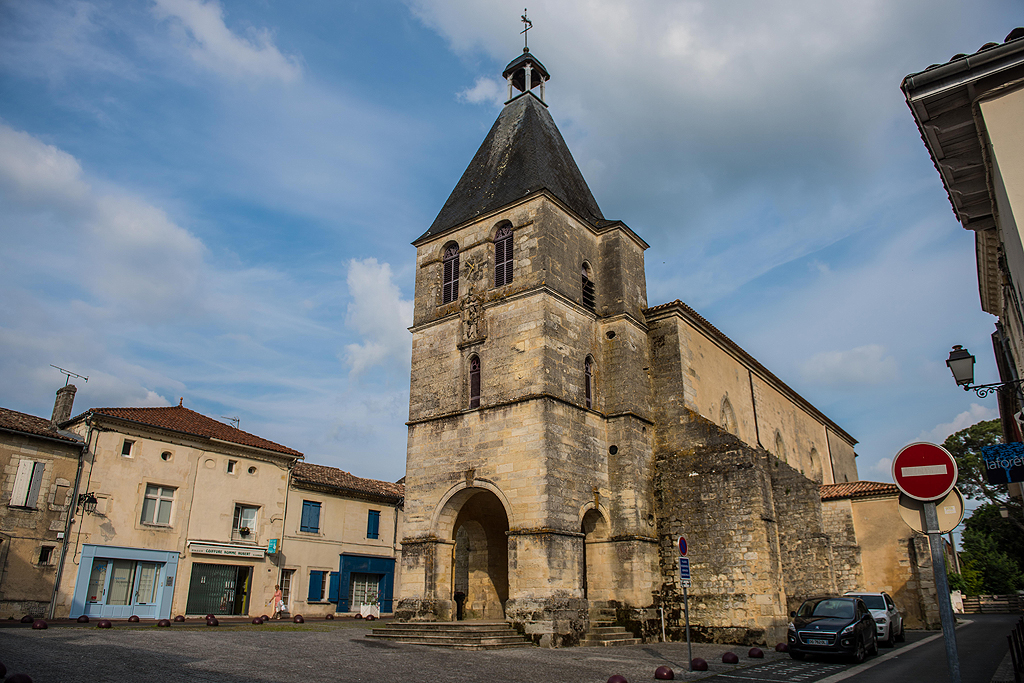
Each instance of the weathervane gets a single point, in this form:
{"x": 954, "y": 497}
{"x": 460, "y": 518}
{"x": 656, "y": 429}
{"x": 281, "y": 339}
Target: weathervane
{"x": 69, "y": 374}
{"x": 526, "y": 36}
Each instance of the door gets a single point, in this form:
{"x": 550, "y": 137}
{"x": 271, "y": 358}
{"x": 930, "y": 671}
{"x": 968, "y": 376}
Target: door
{"x": 218, "y": 589}
{"x": 147, "y": 585}
{"x": 120, "y": 589}
{"x": 97, "y": 588}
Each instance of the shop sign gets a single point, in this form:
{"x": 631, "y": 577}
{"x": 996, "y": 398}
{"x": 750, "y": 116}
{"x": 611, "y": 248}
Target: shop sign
{"x": 227, "y": 550}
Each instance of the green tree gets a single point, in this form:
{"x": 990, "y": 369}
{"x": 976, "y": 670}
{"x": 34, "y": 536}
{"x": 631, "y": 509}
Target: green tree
{"x": 965, "y": 447}
{"x": 968, "y": 581}
{"x": 999, "y": 572}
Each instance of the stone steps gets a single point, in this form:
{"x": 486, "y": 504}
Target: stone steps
{"x": 456, "y": 635}
{"x": 604, "y": 632}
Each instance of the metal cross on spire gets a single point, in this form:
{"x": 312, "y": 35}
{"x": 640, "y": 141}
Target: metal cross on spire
{"x": 526, "y": 36}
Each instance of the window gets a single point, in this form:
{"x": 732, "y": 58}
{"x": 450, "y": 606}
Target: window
{"x": 27, "y": 483}
{"x": 231, "y": 466}
{"x": 588, "y": 381}
{"x": 252, "y": 470}
{"x": 474, "y": 382}
{"x": 126, "y": 448}
{"x": 244, "y": 526}
{"x": 588, "y": 287}
{"x": 310, "y": 521}
{"x": 156, "y": 506}
{"x": 286, "y": 585}
{"x": 450, "y": 286}
{"x": 373, "y": 524}
{"x": 46, "y": 554}
{"x": 166, "y": 456}
{"x": 363, "y": 590}
{"x": 503, "y": 256}
{"x": 317, "y": 586}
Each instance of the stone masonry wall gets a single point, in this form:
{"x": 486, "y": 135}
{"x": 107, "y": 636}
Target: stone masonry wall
{"x": 806, "y": 548}
{"x": 837, "y": 517}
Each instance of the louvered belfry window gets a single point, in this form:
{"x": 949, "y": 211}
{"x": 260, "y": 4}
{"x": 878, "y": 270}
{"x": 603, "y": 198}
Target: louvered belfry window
{"x": 588, "y": 287}
{"x": 450, "y": 288}
{"x": 588, "y": 381}
{"x": 503, "y": 256}
{"x": 474, "y": 382}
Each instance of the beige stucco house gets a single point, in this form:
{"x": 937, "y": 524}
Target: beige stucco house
{"x": 969, "y": 112}
{"x": 188, "y": 513}
{"x": 40, "y": 463}
{"x": 341, "y": 549}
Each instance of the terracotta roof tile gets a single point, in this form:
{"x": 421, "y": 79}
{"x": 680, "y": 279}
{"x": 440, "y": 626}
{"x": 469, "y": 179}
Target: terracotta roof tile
{"x": 332, "y": 477}
{"x": 30, "y": 424}
{"x": 181, "y": 419}
{"x": 857, "y": 489}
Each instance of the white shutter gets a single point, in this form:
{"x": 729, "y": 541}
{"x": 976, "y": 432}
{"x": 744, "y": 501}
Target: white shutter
{"x": 21, "y": 483}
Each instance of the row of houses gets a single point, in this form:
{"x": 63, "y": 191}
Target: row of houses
{"x": 164, "y": 511}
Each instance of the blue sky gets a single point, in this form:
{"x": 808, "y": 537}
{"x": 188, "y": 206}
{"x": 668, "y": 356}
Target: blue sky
{"x": 215, "y": 200}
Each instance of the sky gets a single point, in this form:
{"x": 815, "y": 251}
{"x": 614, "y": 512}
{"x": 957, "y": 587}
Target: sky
{"x": 214, "y": 201}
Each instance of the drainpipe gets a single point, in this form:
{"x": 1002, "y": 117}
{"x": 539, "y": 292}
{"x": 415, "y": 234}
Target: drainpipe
{"x": 284, "y": 528}
{"x": 753, "y": 404}
{"x": 70, "y": 519}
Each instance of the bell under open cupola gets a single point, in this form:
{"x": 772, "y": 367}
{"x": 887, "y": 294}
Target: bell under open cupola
{"x": 524, "y": 73}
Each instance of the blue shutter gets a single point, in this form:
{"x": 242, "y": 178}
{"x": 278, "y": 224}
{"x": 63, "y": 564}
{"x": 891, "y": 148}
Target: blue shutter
{"x": 316, "y": 586}
{"x": 310, "y": 521}
{"x": 332, "y": 587}
{"x": 373, "y": 524}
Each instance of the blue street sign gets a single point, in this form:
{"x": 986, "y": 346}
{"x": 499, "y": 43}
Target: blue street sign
{"x": 682, "y": 546}
{"x": 272, "y": 546}
{"x": 684, "y": 569}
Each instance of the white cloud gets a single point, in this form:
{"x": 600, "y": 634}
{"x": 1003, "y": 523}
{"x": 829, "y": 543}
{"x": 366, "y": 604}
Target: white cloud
{"x": 213, "y": 45}
{"x": 976, "y": 413}
{"x": 379, "y": 314}
{"x": 880, "y": 470}
{"x": 859, "y": 366}
{"x": 33, "y": 173}
{"x": 485, "y": 90}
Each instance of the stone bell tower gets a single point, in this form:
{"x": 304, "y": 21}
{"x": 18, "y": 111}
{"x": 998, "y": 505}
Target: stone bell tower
{"x": 528, "y": 484}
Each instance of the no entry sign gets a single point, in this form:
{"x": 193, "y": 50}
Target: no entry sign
{"x": 924, "y": 471}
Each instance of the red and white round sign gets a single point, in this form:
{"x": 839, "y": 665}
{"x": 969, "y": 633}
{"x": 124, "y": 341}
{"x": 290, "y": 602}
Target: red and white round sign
{"x": 924, "y": 471}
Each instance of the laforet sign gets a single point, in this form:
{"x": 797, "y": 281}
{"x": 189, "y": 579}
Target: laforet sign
{"x": 1004, "y": 462}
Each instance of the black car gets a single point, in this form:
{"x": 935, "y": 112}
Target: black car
{"x": 841, "y": 625}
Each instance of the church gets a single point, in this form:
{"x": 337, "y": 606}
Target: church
{"x": 563, "y": 434}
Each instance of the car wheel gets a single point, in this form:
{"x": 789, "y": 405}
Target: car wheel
{"x": 874, "y": 646}
{"x": 890, "y": 637}
{"x": 860, "y": 654}
{"x": 901, "y": 636}
{"x": 796, "y": 655}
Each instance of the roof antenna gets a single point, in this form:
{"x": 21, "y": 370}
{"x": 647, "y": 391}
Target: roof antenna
{"x": 526, "y": 36}
{"x": 235, "y": 421}
{"x": 69, "y": 374}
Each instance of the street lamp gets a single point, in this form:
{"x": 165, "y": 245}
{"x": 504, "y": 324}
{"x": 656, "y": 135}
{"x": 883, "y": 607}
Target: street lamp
{"x": 961, "y": 364}
{"x": 88, "y": 502}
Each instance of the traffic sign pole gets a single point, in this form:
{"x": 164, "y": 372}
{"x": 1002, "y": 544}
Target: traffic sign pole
{"x": 931, "y": 517}
{"x": 686, "y": 611}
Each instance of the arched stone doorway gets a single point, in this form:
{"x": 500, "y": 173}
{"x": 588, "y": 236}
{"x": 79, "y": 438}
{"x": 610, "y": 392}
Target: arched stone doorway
{"x": 480, "y": 554}
{"x": 597, "y": 571}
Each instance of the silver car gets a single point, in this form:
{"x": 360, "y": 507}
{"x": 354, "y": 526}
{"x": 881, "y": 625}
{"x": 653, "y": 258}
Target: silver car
{"x": 888, "y": 620}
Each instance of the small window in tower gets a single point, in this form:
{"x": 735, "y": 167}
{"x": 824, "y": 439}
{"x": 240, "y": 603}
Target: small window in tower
{"x": 588, "y": 381}
{"x": 474, "y": 382}
{"x": 588, "y": 287}
{"x": 503, "y": 256}
{"x": 450, "y": 286}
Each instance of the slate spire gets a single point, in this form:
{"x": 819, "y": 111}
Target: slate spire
{"x": 522, "y": 154}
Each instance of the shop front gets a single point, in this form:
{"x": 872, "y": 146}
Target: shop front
{"x": 366, "y": 581}
{"x": 220, "y": 582}
{"x": 116, "y": 582}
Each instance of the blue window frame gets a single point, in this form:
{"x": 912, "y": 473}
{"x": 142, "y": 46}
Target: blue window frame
{"x": 310, "y": 521}
{"x": 316, "y": 586}
{"x": 373, "y": 524}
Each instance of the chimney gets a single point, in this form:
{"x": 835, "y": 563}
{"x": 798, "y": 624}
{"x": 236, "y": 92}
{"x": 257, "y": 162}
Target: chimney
{"x": 62, "y": 406}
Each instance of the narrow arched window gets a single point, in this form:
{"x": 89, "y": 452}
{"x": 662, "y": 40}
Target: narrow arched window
{"x": 474, "y": 382}
{"x": 450, "y": 287}
{"x": 588, "y": 287}
{"x": 503, "y": 256}
{"x": 588, "y": 381}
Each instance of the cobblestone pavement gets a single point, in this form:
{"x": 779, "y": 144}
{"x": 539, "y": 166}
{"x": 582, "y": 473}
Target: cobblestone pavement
{"x": 321, "y": 651}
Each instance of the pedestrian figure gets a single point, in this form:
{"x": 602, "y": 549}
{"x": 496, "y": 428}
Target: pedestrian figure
{"x": 278, "y": 601}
